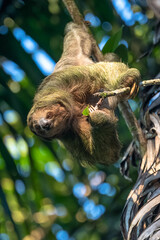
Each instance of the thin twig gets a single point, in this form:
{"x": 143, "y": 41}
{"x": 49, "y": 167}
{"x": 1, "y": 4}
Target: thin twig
{"x": 133, "y": 126}
{"x": 146, "y": 83}
{"x": 126, "y": 90}
{"x": 127, "y": 113}
{"x": 112, "y": 93}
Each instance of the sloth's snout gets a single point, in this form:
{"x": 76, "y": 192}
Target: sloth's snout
{"x": 45, "y": 124}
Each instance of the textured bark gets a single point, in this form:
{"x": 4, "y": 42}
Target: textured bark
{"x": 141, "y": 214}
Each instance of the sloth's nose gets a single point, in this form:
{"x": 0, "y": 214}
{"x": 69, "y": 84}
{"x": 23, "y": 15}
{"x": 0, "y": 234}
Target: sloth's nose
{"x": 45, "y": 124}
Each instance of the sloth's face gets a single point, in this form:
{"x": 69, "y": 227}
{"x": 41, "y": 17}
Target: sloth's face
{"x": 49, "y": 123}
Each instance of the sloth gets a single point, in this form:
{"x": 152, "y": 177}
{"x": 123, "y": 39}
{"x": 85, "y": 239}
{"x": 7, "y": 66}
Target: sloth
{"x": 62, "y": 96}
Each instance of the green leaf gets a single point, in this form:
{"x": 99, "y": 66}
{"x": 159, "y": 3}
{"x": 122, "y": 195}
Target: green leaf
{"x": 112, "y": 43}
{"x": 122, "y": 52}
{"x": 86, "y": 111}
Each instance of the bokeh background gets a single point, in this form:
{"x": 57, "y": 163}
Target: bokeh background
{"x": 44, "y": 193}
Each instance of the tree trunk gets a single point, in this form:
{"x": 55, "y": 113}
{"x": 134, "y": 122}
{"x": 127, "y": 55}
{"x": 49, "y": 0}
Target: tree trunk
{"x": 141, "y": 214}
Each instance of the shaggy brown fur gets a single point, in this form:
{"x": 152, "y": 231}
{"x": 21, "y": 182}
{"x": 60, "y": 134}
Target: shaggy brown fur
{"x": 62, "y": 96}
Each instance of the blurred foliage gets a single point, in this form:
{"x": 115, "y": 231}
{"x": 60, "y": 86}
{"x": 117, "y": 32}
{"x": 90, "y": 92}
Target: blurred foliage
{"x": 44, "y": 194}
{"x": 113, "y": 42}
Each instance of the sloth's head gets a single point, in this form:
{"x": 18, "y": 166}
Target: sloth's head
{"x": 49, "y": 122}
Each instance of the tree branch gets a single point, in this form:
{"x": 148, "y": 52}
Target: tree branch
{"x": 112, "y": 93}
{"x": 133, "y": 126}
{"x": 74, "y": 11}
{"x": 150, "y": 82}
{"x": 127, "y": 113}
{"x": 126, "y": 90}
